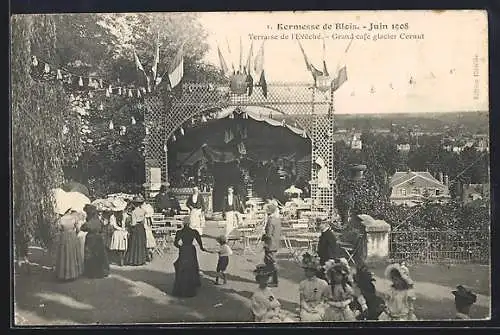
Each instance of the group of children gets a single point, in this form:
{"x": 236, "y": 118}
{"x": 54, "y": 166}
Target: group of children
{"x": 347, "y": 295}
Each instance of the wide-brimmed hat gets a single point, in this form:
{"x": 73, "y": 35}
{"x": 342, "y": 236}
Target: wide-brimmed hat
{"x": 271, "y": 208}
{"x": 332, "y": 266}
{"x": 401, "y": 269}
{"x": 464, "y": 294}
{"x": 118, "y": 205}
{"x": 262, "y": 270}
{"x": 138, "y": 199}
{"x": 310, "y": 262}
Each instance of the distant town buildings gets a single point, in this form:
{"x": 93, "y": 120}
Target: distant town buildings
{"x": 411, "y": 188}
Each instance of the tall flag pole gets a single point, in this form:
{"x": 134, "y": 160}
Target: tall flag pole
{"x": 325, "y": 70}
{"x": 229, "y": 53}
{"x": 176, "y": 68}
{"x": 248, "y": 70}
{"x": 139, "y": 67}
{"x": 156, "y": 60}
{"x": 310, "y": 67}
{"x": 241, "y": 55}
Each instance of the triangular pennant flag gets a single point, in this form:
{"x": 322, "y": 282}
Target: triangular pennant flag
{"x": 80, "y": 81}
{"x": 91, "y": 82}
{"x": 130, "y": 93}
{"x": 123, "y": 130}
{"x": 263, "y": 83}
{"x": 249, "y": 59}
{"x": 146, "y": 129}
{"x": 91, "y": 95}
{"x": 182, "y": 131}
{"x": 173, "y": 138}
{"x": 108, "y": 92}
{"x": 156, "y": 60}
{"x": 100, "y": 83}
{"x": 111, "y": 126}
{"x": 340, "y": 79}
{"x": 119, "y": 91}
{"x": 176, "y": 68}
{"x": 138, "y": 64}
{"x": 46, "y": 68}
{"x": 259, "y": 61}
{"x": 59, "y": 75}
{"x": 34, "y": 61}
{"x": 165, "y": 148}
{"x": 203, "y": 118}
{"x": 87, "y": 104}
{"x": 101, "y": 107}
{"x": 223, "y": 64}
{"x": 133, "y": 120}
{"x": 138, "y": 93}
{"x": 72, "y": 97}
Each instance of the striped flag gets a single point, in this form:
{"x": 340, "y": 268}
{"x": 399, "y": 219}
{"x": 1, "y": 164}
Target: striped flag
{"x": 156, "y": 60}
{"x": 340, "y": 79}
{"x": 176, "y": 68}
{"x": 223, "y": 64}
{"x": 138, "y": 64}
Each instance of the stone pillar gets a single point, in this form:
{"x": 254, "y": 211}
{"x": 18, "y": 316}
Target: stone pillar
{"x": 375, "y": 244}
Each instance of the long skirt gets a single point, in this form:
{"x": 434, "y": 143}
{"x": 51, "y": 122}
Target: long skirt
{"x": 81, "y": 238}
{"x": 96, "y": 257}
{"x": 119, "y": 240}
{"x": 150, "y": 239}
{"x": 187, "y": 276}
{"x": 339, "y": 314}
{"x": 197, "y": 220}
{"x": 137, "y": 252}
{"x": 69, "y": 261}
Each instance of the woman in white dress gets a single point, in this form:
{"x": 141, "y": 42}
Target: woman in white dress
{"x": 148, "y": 225}
{"x": 196, "y": 206}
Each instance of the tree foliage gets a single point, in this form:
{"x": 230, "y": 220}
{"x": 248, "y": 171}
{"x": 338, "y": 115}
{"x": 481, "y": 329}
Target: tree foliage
{"x": 39, "y": 147}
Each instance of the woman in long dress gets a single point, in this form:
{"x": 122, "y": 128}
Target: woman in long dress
{"x": 196, "y": 206}
{"x": 137, "y": 252}
{"x": 69, "y": 259}
{"x": 81, "y": 218}
{"x": 96, "y": 257}
{"x": 187, "y": 270}
{"x": 148, "y": 227}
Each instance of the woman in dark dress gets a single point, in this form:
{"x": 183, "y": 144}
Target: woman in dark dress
{"x": 96, "y": 263}
{"x": 187, "y": 275}
{"x": 137, "y": 252}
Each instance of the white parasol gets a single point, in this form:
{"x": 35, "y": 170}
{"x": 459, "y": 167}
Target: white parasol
{"x": 293, "y": 190}
{"x": 63, "y": 201}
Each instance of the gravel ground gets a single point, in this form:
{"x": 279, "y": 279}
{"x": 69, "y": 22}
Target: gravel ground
{"x": 133, "y": 295}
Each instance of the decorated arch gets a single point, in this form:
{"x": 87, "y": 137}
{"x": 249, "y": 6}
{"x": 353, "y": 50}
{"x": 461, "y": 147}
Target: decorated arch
{"x": 305, "y": 110}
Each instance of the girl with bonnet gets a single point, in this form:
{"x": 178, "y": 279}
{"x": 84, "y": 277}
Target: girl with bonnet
{"x": 401, "y": 297}
{"x": 314, "y": 292}
{"x": 265, "y": 305}
{"x": 342, "y": 294}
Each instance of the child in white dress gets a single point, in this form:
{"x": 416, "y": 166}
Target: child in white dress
{"x": 399, "y": 302}
{"x": 265, "y": 306}
{"x": 342, "y": 294}
{"x": 314, "y": 292}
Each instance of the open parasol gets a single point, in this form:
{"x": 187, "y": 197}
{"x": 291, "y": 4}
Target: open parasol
{"x": 63, "y": 201}
{"x": 293, "y": 190}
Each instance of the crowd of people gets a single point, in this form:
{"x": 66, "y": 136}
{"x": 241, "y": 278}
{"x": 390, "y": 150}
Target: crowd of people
{"x": 331, "y": 290}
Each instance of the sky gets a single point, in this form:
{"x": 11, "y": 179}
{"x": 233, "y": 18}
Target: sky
{"x": 447, "y": 75}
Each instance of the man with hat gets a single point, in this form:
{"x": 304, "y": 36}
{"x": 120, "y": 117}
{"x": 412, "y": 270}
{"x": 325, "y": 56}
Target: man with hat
{"x": 464, "y": 299}
{"x": 327, "y": 244}
{"x": 314, "y": 292}
{"x": 272, "y": 240}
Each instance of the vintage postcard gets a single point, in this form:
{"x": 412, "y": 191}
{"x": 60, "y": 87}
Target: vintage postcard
{"x": 250, "y": 167}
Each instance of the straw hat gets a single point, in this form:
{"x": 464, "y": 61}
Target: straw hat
{"x": 310, "y": 262}
{"x": 401, "y": 269}
{"x": 118, "y": 205}
{"x": 262, "y": 270}
{"x": 138, "y": 199}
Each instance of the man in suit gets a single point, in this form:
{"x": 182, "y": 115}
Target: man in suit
{"x": 231, "y": 210}
{"x": 272, "y": 240}
{"x": 327, "y": 245}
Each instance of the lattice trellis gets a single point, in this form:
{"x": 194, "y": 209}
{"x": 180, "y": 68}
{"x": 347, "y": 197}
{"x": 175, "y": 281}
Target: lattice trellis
{"x": 297, "y": 104}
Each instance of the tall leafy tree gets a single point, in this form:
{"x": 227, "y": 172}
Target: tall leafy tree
{"x": 40, "y": 146}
